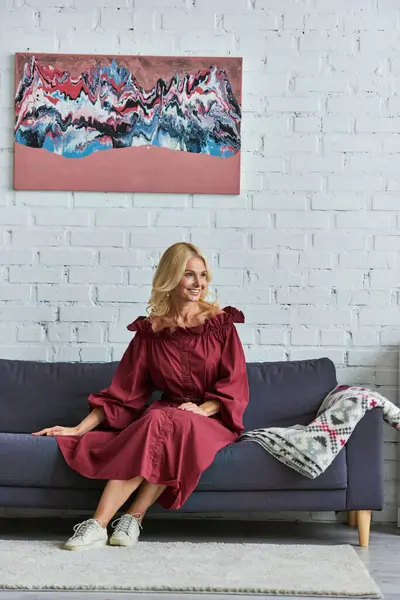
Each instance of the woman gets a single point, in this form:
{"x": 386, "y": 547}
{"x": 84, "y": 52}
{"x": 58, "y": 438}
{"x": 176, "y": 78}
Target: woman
{"x": 190, "y": 349}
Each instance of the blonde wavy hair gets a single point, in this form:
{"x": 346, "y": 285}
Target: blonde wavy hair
{"x": 168, "y": 274}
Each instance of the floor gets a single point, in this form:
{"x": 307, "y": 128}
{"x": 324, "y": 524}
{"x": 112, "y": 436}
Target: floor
{"x": 382, "y": 558}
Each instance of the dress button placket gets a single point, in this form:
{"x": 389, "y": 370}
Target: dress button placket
{"x": 185, "y": 368}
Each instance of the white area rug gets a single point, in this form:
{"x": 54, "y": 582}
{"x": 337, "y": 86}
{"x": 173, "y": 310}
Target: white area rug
{"x": 183, "y": 566}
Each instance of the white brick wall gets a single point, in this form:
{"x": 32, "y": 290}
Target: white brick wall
{"x": 309, "y": 250}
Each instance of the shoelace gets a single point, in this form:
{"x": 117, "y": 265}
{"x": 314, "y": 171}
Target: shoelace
{"x": 82, "y": 529}
{"x": 125, "y": 523}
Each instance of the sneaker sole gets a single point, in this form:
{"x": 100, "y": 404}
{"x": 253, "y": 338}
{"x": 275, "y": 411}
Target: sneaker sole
{"x": 127, "y": 543}
{"x": 98, "y": 544}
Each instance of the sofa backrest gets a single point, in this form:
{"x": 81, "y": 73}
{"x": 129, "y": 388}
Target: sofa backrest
{"x": 287, "y": 393}
{"x": 34, "y": 395}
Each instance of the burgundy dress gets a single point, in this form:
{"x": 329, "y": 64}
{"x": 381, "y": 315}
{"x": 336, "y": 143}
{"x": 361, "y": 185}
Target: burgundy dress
{"x": 161, "y": 443}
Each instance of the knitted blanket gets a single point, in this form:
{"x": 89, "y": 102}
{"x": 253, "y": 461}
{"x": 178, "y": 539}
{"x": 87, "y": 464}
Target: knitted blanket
{"x": 310, "y": 449}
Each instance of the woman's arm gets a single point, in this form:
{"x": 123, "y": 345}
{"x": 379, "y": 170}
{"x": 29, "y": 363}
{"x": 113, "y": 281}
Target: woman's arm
{"x": 210, "y": 408}
{"x": 124, "y": 400}
{"x": 94, "y": 418}
{"x": 232, "y": 389}
{"x": 207, "y": 409}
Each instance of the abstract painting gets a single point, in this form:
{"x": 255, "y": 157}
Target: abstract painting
{"x": 127, "y": 123}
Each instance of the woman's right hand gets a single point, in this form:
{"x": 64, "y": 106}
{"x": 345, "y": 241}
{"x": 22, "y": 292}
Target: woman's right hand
{"x": 58, "y": 430}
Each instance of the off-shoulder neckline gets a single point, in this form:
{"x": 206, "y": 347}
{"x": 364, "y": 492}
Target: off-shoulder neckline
{"x": 229, "y": 315}
{"x": 181, "y": 326}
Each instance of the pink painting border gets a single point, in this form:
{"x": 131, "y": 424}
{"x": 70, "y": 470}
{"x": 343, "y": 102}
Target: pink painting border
{"x": 167, "y": 171}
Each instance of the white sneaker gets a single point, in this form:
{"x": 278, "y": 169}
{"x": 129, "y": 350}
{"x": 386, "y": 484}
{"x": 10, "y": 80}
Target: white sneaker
{"x": 89, "y": 534}
{"x": 127, "y": 531}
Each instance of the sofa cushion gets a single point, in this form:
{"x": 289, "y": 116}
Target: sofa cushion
{"x": 29, "y": 461}
{"x": 287, "y": 393}
{"x": 246, "y": 466}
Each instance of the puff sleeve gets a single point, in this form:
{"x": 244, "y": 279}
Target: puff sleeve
{"x": 124, "y": 400}
{"x": 231, "y": 388}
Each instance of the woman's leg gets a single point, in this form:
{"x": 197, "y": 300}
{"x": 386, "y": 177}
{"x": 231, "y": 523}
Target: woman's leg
{"x": 113, "y": 497}
{"x": 127, "y": 530}
{"x": 146, "y": 496}
{"x": 92, "y": 533}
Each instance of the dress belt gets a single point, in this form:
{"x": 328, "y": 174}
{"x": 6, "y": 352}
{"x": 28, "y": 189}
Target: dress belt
{"x": 183, "y": 399}
{"x": 187, "y": 399}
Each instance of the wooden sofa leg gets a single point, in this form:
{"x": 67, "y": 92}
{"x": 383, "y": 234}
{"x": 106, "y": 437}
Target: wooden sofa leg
{"x": 352, "y": 518}
{"x": 364, "y": 523}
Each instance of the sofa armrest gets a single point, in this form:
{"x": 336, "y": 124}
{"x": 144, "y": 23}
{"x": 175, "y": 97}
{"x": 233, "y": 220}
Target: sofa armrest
{"x": 364, "y": 455}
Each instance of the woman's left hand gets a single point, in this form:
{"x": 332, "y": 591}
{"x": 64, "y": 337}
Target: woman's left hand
{"x": 192, "y": 407}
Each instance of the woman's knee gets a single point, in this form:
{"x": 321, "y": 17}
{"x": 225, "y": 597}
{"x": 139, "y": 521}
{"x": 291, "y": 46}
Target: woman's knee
{"x": 138, "y": 479}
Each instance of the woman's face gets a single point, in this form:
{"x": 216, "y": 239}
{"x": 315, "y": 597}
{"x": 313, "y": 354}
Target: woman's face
{"x": 193, "y": 284}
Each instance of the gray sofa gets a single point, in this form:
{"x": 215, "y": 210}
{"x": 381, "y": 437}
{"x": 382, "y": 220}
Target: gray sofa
{"x": 243, "y": 477}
